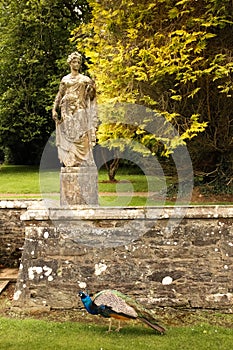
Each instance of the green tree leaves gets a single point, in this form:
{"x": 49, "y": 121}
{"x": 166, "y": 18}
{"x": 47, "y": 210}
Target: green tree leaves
{"x": 34, "y": 45}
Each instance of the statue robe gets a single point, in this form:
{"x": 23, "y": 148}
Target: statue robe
{"x": 75, "y": 132}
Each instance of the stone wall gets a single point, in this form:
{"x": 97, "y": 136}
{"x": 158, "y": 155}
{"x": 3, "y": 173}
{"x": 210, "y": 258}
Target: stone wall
{"x": 161, "y": 256}
{"x": 11, "y": 231}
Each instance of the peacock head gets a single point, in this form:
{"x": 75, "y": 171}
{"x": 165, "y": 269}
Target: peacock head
{"x": 82, "y": 295}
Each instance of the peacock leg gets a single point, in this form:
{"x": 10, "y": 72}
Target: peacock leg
{"x": 110, "y": 325}
{"x": 119, "y": 326}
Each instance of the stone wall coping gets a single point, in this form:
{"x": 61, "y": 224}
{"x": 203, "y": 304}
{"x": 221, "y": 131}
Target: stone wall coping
{"x": 17, "y": 203}
{"x": 38, "y": 212}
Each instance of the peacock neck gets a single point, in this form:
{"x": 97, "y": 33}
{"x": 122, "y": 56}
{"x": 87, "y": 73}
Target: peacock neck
{"x": 89, "y": 306}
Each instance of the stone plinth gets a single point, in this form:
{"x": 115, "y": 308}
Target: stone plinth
{"x": 78, "y": 186}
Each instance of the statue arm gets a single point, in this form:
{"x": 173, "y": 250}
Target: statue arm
{"x": 57, "y": 102}
{"x": 91, "y": 90}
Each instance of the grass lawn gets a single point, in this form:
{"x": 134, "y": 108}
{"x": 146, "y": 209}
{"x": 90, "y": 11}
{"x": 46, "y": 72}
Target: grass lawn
{"x": 19, "y": 179}
{"x": 47, "y": 335}
{"x": 114, "y": 201}
{"x": 130, "y": 190}
{"x": 25, "y": 181}
{"x": 49, "y": 181}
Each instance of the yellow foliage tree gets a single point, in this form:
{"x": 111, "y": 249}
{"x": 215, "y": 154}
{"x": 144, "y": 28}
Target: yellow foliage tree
{"x": 168, "y": 55}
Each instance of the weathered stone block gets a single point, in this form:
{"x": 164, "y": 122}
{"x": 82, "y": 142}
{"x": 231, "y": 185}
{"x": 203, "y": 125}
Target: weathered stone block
{"x": 78, "y": 186}
{"x": 11, "y": 231}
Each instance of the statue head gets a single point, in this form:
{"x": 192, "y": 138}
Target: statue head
{"x": 73, "y": 55}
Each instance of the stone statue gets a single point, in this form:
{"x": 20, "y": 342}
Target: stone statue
{"x": 75, "y": 114}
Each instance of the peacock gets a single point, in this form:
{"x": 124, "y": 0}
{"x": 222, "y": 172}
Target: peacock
{"x": 113, "y": 304}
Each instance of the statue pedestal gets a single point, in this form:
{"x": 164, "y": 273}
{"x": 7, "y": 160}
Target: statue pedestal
{"x": 78, "y": 186}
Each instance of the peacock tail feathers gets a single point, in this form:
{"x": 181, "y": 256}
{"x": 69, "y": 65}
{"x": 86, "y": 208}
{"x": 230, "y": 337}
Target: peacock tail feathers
{"x": 153, "y": 325}
{"x": 124, "y": 304}
{"x": 113, "y": 299}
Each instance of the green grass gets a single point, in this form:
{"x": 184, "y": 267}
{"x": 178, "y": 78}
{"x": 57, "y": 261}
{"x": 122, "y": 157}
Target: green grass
{"x": 49, "y": 181}
{"x": 26, "y": 180}
{"x": 47, "y": 335}
{"x": 130, "y": 183}
{"x": 19, "y": 179}
{"x": 114, "y": 201}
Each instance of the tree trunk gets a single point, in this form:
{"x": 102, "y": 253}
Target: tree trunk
{"x": 112, "y": 169}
